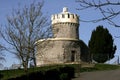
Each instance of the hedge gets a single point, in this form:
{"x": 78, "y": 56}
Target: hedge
{"x": 55, "y": 73}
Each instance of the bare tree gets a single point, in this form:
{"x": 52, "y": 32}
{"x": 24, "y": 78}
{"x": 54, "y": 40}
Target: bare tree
{"x": 1, "y": 56}
{"x": 106, "y": 7}
{"x": 26, "y": 26}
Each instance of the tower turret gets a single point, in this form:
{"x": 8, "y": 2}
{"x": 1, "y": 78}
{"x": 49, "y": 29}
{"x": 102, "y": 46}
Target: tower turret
{"x": 65, "y": 24}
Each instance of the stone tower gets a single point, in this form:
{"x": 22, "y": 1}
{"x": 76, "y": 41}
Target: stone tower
{"x": 64, "y": 47}
{"x": 65, "y": 25}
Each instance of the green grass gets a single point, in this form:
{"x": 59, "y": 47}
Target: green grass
{"x": 100, "y": 67}
{"x": 7, "y": 74}
{"x": 19, "y": 72}
{"x": 11, "y": 73}
{"x": 16, "y": 73}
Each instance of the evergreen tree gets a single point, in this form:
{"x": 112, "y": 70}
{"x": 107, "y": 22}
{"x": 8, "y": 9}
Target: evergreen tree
{"x": 101, "y": 45}
{"x": 85, "y": 55}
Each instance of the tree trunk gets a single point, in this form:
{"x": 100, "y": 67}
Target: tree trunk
{"x": 25, "y": 66}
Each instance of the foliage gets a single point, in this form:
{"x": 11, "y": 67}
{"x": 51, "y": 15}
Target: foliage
{"x": 101, "y": 45}
{"x": 56, "y": 72}
{"x": 64, "y": 76}
{"x": 65, "y": 72}
{"x": 85, "y": 55}
{"x": 1, "y": 76}
{"x": 69, "y": 70}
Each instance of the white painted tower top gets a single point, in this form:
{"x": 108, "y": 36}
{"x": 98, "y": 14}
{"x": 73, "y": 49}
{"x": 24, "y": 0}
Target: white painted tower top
{"x": 65, "y": 9}
{"x": 65, "y": 16}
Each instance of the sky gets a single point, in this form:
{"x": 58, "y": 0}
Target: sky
{"x": 55, "y": 6}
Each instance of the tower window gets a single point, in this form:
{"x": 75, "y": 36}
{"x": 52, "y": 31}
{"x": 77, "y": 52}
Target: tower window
{"x": 68, "y": 15}
{"x": 63, "y": 16}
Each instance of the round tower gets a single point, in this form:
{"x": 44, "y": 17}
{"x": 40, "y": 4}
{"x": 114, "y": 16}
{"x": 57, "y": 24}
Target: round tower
{"x": 65, "y": 25}
{"x": 64, "y": 46}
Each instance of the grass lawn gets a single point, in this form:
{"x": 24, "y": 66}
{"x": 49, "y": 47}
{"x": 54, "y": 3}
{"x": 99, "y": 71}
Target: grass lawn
{"x": 6, "y": 74}
{"x": 100, "y": 67}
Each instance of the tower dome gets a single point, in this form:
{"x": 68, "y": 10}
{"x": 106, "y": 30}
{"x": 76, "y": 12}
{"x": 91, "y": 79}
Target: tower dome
{"x": 65, "y": 16}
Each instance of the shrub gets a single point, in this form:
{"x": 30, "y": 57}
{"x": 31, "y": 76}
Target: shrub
{"x": 64, "y": 76}
{"x": 58, "y": 72}
{"x": 39, "y": 75}
{"x": 1, "y": 76}
{"x": 69, "y": 70}
{"x": 52, "y": 74}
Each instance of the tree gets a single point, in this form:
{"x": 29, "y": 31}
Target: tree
{"x": 101, "y": 45}
{"x": 108, "y": 8}
{"x": 1, "y": 56}
{"x": 85, "y": 55}
{"x": 26, "y": 26}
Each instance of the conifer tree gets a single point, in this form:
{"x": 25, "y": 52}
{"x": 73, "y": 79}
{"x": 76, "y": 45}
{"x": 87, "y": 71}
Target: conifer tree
{"x": 101, "y": 45}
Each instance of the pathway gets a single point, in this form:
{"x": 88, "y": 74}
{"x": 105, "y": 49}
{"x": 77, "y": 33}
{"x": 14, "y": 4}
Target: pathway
{"x": 100, "y": 75}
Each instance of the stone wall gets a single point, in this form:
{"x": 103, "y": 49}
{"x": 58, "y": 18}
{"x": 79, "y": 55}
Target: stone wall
{"x": 66, "y": 30}
{"x": 55, "y": 52}
{"x": 64, "y": 47}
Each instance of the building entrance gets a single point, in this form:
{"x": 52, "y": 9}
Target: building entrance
{"x": 73, "y": 52}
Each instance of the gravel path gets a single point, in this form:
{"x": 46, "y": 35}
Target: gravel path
{"x": 100, "y": 75}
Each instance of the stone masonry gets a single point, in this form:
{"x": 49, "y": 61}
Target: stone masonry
{"x": 64, "y": 47}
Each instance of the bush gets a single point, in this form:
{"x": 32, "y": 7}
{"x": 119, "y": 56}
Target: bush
{"x": 49, "y": 73}
{"x": 1, "y": 76}
{"x": 64, "y": 76}
{"x": 39, "y": 75}
{"x": 52, "y": 74}
{"x": 69, "y": 70}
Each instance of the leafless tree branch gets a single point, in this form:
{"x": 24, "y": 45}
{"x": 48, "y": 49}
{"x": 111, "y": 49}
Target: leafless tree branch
{"x": 105, "y": 7}
{"x": 24, "y": 28}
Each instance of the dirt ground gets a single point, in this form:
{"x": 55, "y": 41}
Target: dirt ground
{"x": 99, "y": 75}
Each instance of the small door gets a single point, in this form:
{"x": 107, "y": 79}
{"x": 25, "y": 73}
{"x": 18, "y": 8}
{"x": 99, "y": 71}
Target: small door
{"x": 73, "y": 52}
